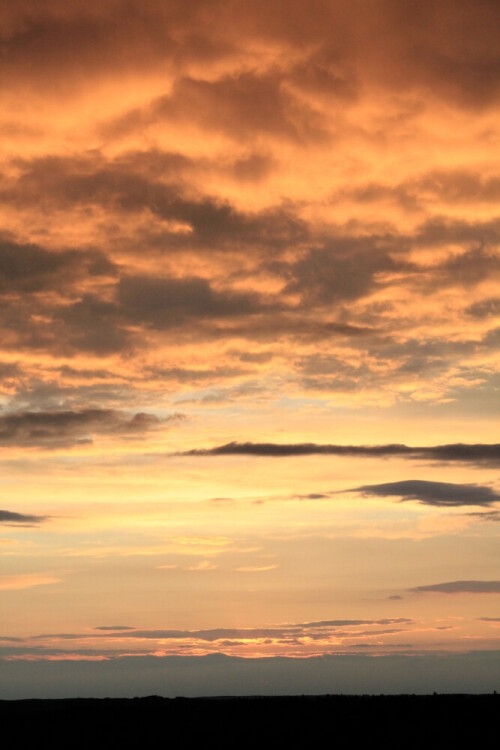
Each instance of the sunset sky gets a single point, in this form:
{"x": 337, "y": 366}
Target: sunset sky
{"x": 249, "y": 315}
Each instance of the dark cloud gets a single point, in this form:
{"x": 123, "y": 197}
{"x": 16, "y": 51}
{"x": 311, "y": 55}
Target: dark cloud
{"x": 461, "y": 587}
{"x": 442, "y": 230}
{"x": 332, "y": 373}
{"x": 259, "y": 358}
{"x": 313, "y": 496}
{"x": 440, "y": 494}
{"x": 188, "y": 375}
{"x": 474, "y": 453}
{"x": 447, "y": 51}
{"x": 150, "y": 181}
{"x": 315, "y": 630}
{"x": 71, "y": 45}
{"x": 9, "y": 370}
{"x": 113, "y": 627}
{"x": 485, "y": 308}
{"x": 52, "y": 429}
{"x": 342, "y": 623}
{"x": 487, "y": 515}
{"x": 165, "y": 303}
{"x": 447, "y": 186}
{"x": 469, "y": 268}
{"x": 28, "y": 268}
{"x": 90, "y": 324}
{"x": 489, "y": 619}
{"x": 23, "y": 519}
{"x": 345, "y": 268}
{"x": 455, "y": 186}
{"x": 243, "y": 106}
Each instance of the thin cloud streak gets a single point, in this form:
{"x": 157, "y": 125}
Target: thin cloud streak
{"x": 458, "y": 452}
{"x": 460, "y": 587}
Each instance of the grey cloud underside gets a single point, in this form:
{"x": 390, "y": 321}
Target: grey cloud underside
{"x": 460, "y": 587}
{"x": 53, "y": 429}
{"x": 489, "y": 619}
{"x": 21, "y": 519}
{"x": 439, "y": 494}
{"x": 460, "y": 452}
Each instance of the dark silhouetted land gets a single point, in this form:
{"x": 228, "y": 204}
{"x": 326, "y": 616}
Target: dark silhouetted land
{"x": 379, "y": 721}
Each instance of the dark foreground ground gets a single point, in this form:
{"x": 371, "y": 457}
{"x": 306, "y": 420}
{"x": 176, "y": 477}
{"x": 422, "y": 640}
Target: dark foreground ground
{"x": 379, "y": 721}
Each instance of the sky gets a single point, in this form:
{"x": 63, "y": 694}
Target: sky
{"x": 249, "y": 319}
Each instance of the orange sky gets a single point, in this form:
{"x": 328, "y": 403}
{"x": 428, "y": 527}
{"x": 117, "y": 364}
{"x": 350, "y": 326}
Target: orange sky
{"x": 235, "y": 239}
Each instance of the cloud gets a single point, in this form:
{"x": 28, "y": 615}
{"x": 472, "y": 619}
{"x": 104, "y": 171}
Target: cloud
{"x": 342, "y": 46}
{"x": 487, "y": 515}
{"x": 461, "y": 452}
{"x": 113, "y": 627}
{"x": 149, "y": 182}
{"x": 243, "y": 106}
{"x": 23, "y": 519}
{"x": 460, "y": 587}
{"x": 90, "y": 324}
{"x": 449, "y": 186}
{"x": 346, "y": 269}
{"x": 29, "y": 268}
{"x": 322, "y": 629}
{"x": 489, "y": 619}
{"x": 439, "y": 494}
{"x": 165, "y": 303}
{"x": 53, "y": 429}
